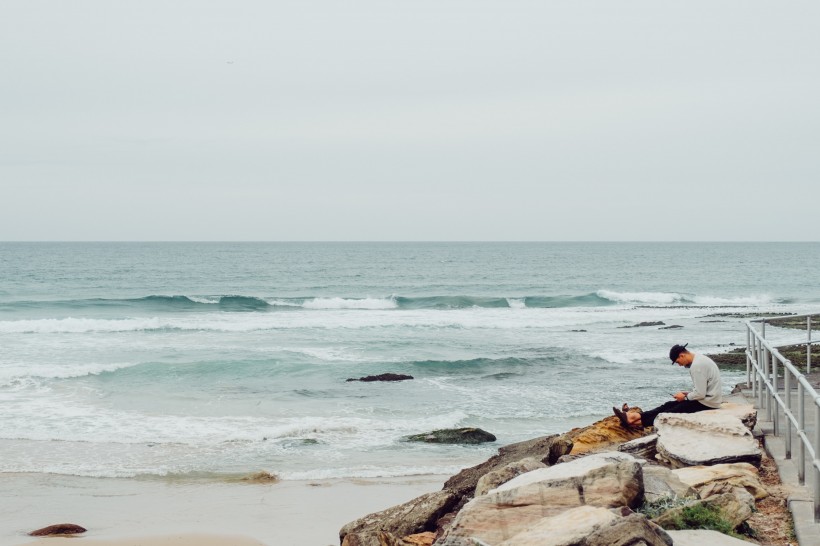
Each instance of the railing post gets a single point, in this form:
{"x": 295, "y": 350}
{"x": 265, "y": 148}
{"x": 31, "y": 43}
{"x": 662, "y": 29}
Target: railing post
{"x": 808, "y": 344}
{"x": 748, "y": 361}
{"x": 761, "y": 371}
{"x": 773, "y": 398}
{"x": 801, "y": 423}
{"x": 787, "y": 386}
{"x": 767, "y": 376}
{"x": 815, "y": 470}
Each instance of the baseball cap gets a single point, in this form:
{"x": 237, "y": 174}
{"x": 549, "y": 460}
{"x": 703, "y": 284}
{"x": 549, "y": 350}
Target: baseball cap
{"x": 676, "y": 350}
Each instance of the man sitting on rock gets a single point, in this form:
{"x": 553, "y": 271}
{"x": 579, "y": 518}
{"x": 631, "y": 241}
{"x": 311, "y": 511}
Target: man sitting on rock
{"x": 707, "y": 393}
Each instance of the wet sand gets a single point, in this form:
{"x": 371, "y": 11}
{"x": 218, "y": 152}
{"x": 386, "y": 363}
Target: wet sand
{"x": 125, "y": 512}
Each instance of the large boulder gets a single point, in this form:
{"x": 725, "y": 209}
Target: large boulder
{"x": 453, "y": 436}
{"x": 546, "y": 449}
{"x": 704, "y": 438}
{"x": 494, "y": 478}
{"x": 591, "y": 526}
{"x": 604, "y": 480}
{"x": 415, "y": 516}
{"x": 710, "y": 480}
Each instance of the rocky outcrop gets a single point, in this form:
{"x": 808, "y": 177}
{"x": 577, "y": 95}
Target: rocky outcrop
{"x": 383, "y": 377}
{"x": 454, "y": 436}
{"x": 644, "y": 324}
{"x": 562, "y": 490}
{"x": 605, "y": 480}
{"x": 59, "y": 529}
{"x": 418, "y": 515}
{"x": 704, "y": 438}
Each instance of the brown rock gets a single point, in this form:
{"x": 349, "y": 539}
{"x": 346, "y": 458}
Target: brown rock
{"x": 601, "y": 435}
{"x": 381, "y": 538}
{"x": 415, "y": 516}
{"x": 420, "y": 539}
{"x": 59, "y": 529}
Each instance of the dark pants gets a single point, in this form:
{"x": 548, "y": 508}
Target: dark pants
{"x": 673, "y": 406}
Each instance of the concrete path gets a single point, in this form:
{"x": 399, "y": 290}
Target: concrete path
{"x": 801, "y": 497}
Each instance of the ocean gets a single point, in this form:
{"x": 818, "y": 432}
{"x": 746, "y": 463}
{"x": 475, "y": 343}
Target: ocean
{"x": 214, "y": 361}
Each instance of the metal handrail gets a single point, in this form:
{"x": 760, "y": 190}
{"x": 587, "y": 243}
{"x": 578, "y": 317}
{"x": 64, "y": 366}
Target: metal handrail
{"x": 762, "y": 370}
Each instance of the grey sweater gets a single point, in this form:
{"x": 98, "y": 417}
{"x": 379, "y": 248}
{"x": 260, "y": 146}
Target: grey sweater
{"x": 706, "y": 380}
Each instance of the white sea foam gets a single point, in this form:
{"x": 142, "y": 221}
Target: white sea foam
{"x": 283, "y": 303}
{"x": 516, "y": 303}
{"x": 674, "y": 298}
{"x": 742, "y": 301}
{"x": 345, "y": 303}
{"x": 81, "y": 325}
{"x": 648, "y": 298}
{"x": 26, "y": 376}
{"x": 203, "y": 299}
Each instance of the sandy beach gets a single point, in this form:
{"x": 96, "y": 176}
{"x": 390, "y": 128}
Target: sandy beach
{"x": 124, "y": 512}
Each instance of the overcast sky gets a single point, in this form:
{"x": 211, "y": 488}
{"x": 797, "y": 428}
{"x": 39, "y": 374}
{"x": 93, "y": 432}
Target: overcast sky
{"x": 412, "y": 120}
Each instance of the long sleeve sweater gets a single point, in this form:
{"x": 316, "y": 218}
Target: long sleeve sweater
{"x": 708, "y": 388}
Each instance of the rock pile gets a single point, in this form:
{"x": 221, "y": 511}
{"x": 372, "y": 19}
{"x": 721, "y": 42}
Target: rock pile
{"x": 595, "y": 486}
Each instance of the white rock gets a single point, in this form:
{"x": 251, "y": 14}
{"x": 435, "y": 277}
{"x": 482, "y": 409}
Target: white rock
{"x": 567, "y": 528}
{"x": 563, "y": 471}
{"x": 704, "y": 438}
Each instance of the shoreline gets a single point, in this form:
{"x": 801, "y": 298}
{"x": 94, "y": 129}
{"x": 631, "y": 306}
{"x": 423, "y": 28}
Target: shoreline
{"x": 126, "y": 512}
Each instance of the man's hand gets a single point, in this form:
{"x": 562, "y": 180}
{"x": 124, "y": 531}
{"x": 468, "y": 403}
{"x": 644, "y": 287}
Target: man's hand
{"x": 680, "y": 396}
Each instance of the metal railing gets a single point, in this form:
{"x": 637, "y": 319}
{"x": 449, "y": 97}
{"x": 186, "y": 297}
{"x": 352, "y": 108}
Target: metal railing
{"x": 765, "y": 367}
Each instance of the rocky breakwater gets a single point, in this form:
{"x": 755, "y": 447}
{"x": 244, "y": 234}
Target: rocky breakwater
{"x": 597, "y": 485}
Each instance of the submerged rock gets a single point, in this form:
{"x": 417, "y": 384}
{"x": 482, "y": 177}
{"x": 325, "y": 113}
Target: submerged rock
{"x": 383, "y": 377}
{"x": 454, "y": 436}
{"x": 642, "y": 324}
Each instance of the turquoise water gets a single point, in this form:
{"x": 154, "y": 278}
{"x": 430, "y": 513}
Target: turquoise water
{"x": 215, "y": 359}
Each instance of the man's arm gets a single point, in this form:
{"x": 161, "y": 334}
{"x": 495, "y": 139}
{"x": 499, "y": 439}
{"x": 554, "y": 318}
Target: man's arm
{"x": 699, "y": 381}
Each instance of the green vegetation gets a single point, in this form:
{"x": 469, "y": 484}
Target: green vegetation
{"x": 700, "y": 516}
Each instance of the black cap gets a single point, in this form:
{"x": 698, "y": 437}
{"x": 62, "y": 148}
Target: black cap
{"x": 676, "y": 350}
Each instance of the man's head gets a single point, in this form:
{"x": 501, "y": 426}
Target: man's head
{"x": 680, "y": 356}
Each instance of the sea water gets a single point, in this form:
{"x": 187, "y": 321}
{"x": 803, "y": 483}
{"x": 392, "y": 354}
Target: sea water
{"x": 218, "y": 360}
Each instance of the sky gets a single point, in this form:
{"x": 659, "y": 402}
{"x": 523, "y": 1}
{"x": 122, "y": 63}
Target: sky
{"x": 272, "y": 120}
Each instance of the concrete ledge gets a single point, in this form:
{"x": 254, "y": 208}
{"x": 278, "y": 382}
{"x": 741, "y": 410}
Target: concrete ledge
{"x": 800, "y": 499}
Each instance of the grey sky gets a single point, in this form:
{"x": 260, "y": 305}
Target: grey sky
{"x": 414, "y": 120}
